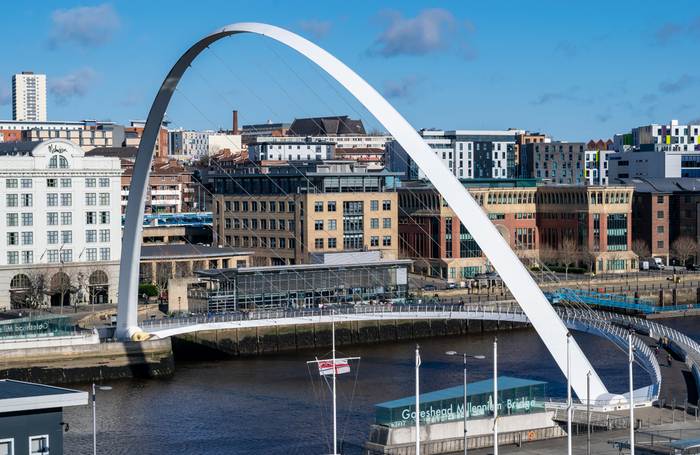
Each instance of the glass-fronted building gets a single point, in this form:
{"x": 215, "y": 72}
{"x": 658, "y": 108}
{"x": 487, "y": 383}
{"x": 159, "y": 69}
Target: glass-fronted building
{"x": 304, "y": 285}
{"x": 515, "y": 396}
{"x": 35, "y": 327}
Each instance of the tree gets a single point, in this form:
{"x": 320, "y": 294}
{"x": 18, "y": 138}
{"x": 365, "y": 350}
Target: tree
{"x": 614, "y": 257}
{"x": 684, "y": 248}
{"x": 93, "y": 279}
{"x": 567, "y": 254}
{"x": 259, "y": 261}
{"x": 164, "y": 272}
{"x": 695, "y": 121}
{"x": 548, "y": 255}
{"x": 641, "y": 248}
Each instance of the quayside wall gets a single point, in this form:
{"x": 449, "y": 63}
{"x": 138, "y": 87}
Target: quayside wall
{"x": 280, "y": 339}
{"x": 68, "y": 363}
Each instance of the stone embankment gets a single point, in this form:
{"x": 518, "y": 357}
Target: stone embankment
{"x": 279, "y": 339}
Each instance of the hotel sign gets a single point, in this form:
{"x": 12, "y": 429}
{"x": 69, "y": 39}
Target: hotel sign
{"x": 57, "y": 149}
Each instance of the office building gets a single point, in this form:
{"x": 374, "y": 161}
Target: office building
{"x": 29, "y": 97}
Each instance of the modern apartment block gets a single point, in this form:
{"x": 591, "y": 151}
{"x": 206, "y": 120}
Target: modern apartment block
{"x": 595, "y": 219}
{"x": 684, "y": 136}
{"x": 568, "y": 163}
{"x": 29, "y": 97}
{"x": 655, "y": 161}
{"x": 467, "y": 154}
{"x": 88, "y": 134}
{"x": 283, "y": 212}
{"x": 188, "y": 145}
{"x": 61, "y": 221}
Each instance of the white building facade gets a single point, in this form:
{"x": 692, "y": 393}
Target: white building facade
{"x": 665, "y": 161}
{"x": 188, "y": 145}
{"x": 62, "y": 220}
{"x": 291, "y": 151}
{"x": 467, "y": 154}
{"x": 29, "y": 96}
{"x": 683, "y": 136}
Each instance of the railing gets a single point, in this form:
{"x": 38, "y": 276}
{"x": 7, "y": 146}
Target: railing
{"x": 646, "y": 306}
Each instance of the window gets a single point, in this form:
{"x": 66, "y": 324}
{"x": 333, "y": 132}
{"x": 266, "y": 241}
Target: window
{"x": 283, "y": 224}
{"x": 290, "y": 207}
{"x": 386, "y": 205}
{"x": 104, "y": 217}
{"x": 90, "y": 199}
{"x": 105, "y": 254}
{"x": 27, "y": 219}
{"x": 253, "y": 206}
{"x": 66, "y": 183}
{"x": 90, "y": 236}
{"x": 273, "y": 206}
{"x": 66, "y": 199}
{"x": 12, "y": 219}
{"x": 51, "y": 183}
{"x": 27, "y": 200}
{"x": 263, "y": 206}
{"x": 332, "y": 243}
{"x": 659, "y": 214}
{"x": 90, "y": 217}
{"x": 12, "y": 257}
{"x": 282, "y": 242}
{"x": 91, "y": 254}
{"x": 104, "y": 183}
{"x": 374, "y": 206}
{"x": 245, "y": 206}
{"x": 331, "y": 206}
{"x": 318, "y": 243}
{"x": 66, "y": 236}
{"x": 659, "y": 229}
{"x": 52, "y": 199}
{"x": 374, "y": 223}
{"x": 67, "y": 218}
{"x": 660, "y": 244}
{"x": 273, "y": 225}
{"x": 104, "y": 198}
{"x": 227, "y": 223}
{"x": 26, "y": 183}
{"x": 27, "y": 238}
{"x": 11, "y": 183}
{"x": 374, "y": 241}
{"x": 331, "y": 225}
{"x": 11, "y": 200}
{"x": 13, "y": 238}
{"x": 236, "y": 206}
{"x": 387, "y": 240}
{"x": 27, "y": 257}
{"x": 318, "y": 225}
{"x": 90, "y": 183}
{"x": 386, "y": 223}
{"x": 273, "y": 242}
{"x": 318, "y": 206}
{"x": 660, "y": 199}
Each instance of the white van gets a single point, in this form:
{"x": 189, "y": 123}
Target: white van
{"x": 655, "y": 263}
{"x": 450, "y": 284}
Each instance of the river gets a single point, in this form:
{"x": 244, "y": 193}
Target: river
{"x": 276, "y": 404}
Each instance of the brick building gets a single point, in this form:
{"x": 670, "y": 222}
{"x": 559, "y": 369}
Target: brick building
{"x": 536, "y": 217}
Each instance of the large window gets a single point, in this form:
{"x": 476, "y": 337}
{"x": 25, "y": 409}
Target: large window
{"x": 27, "y": 219}
{"x": 90, "y": 236}
{"x": 11, "y": 200}
{"x": 39, "y": 445}
{"x": 52, "y": 199}
{"x": 104, "y": 235}
{"x": 27, "y": 200}
{"x": 12, "y": 219}
{"x": 67, "y": 218}
{"x": 66, "y": 199}
{"x": 90, "y": 198}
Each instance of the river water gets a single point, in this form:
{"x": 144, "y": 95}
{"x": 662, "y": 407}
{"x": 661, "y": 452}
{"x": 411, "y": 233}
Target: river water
{"x": 277, "y": 404}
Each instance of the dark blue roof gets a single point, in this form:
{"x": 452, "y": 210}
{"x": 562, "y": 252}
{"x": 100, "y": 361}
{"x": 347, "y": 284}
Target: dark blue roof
{"x": 504, "y": 383}
{"x": 10, "y": 389}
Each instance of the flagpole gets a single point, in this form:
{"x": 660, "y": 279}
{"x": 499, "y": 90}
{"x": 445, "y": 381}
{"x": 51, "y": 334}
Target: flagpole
{"x": 417, "y": 401}
{"x": 335, "y": 423}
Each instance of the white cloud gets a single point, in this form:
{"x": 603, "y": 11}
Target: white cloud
{"x": 77, "y": 84}
{"x": 432, "y": 30}
{"x": 86, "y": 26}
{"x": 318, "y": 30}
{"x": 404, "y": 89}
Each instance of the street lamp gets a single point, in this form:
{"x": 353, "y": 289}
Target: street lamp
{"x": 465, "y": 390}
{"x": 94, "y": 421}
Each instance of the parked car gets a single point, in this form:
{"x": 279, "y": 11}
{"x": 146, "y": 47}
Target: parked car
{"x": 429, "y": 287}
{"x": 693, "y": 267}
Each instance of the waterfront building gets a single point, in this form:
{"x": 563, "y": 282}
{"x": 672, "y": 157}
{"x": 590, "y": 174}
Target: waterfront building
{"x": 31, "y": 416}
{"x": 530, "y": 216}
{"x": 467, "y": 154}
{"x": 284, "y": 211}
{"x": 329, "y": 279}
{"x": 61, "y": 222}
{"x": 29, "y": 97}
{"x": 664, "y": 210}
{"x": 684, "y": 136}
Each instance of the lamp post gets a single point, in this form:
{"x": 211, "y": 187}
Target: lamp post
{"x": 94, "y": 421}
{"x": 465, "y": 390}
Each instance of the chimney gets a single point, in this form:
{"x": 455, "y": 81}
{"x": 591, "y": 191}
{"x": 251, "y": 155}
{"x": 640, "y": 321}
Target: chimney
{"x": 235, "y": 122}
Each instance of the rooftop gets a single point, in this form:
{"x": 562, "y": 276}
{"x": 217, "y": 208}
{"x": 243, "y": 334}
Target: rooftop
{"x": 164, "y": 251}
{"x": 26, "y": 396}
{"x": 214, "y": 273}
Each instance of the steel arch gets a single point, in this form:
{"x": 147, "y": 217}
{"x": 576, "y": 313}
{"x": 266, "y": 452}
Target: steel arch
{"x": 542, "y": 316}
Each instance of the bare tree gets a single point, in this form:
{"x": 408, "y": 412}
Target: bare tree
{"x": 35, "y": 285}
{"x": 641, "y": 248}
{"x": 683, "y": 248}
{"x": 614, "y": 257}
{"x": 94, "y": 278}
{"x": 63, "y": 282}
{"x": 164, "y": 272}
{"x": 567, "y": 254}
{"x": 259, "y": 261}
{"x": 695, "y": 121}
{"x": 548, "y": 255}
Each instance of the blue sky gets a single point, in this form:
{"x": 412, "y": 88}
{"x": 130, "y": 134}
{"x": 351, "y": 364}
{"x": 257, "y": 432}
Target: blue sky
{"x": 573, "y": 70}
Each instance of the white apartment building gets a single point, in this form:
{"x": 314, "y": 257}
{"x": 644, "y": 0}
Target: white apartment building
{"x": 188, "y": 145}
{"x": 598, "y": 167}
{"x": 61, "y": 219}
{"x": 347, "y": 142}
{"x": 684, "y": 136}
{"x": 467, "y": 154}
{"x": 291, "y": 151}
{"x": 29, "y": 96}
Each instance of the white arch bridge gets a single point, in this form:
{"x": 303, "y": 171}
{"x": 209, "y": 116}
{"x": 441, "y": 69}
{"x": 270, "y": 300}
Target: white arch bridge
{"x": 608, "y": 325}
